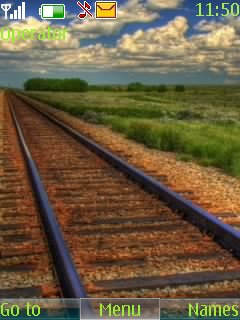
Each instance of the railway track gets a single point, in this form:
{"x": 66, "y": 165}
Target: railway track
{"x": 128, "y": 235}
{"x": 26, "y": 268}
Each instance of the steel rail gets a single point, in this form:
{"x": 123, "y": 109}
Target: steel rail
{"x": 223, "y": 233}
{"x": 69, "y": 280}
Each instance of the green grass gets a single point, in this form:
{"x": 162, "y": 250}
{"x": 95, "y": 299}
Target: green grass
{"x": 202, "y": 124}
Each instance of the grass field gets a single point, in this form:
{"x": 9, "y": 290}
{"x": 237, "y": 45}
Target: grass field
{"x": 201, "y": 124}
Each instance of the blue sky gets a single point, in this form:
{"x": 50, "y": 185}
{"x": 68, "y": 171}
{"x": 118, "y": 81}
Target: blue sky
{"x": 153, "y": 41}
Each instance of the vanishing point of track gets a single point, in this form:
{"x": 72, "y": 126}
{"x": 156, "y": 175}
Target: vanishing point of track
{"x": 122, "y": 233}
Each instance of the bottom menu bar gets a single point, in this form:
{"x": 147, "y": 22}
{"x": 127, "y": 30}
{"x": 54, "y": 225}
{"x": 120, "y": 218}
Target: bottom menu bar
{"x": 124, "y": 308}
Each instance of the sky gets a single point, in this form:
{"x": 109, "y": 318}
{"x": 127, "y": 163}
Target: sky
{"x": 151, "y": 41}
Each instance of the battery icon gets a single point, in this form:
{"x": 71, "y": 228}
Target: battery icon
{"x": 52, "y": 11}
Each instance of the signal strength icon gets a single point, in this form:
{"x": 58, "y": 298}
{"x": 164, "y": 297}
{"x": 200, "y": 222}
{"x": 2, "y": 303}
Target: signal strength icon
{"x": 18, "y": 14}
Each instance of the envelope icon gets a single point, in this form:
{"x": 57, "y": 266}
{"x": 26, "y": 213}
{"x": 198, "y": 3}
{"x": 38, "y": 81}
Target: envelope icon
{"x": 106, "y": 9}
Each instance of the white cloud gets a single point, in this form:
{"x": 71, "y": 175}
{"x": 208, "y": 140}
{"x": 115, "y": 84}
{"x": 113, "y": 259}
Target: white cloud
{"x": 220, "y": 38}
{"x": 161, "y": 50}
{"x": 234, "y": 22}
{"x": 207, "y": 26}
{"x": 163, "y": 4}
{"x": 168, "y": 39}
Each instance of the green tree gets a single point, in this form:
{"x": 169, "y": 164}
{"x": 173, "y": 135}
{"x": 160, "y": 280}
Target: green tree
{"x": 136, "y": 86}
{"x": 67, "y": 85}
{"x": 180, "y": 88}
{"x": 162, "y": 88}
